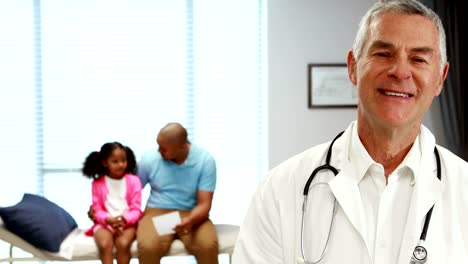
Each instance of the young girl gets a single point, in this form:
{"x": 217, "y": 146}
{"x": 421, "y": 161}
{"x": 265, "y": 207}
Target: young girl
{"x": 116, "y": 200}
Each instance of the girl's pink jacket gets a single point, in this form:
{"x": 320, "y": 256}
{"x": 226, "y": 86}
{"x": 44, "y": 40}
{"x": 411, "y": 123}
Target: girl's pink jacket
{"x": 133, "y": 197}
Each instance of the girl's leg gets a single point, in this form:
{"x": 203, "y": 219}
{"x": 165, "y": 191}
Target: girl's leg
{"x": 123, "y": 243}
{"x": 105, "y": 242}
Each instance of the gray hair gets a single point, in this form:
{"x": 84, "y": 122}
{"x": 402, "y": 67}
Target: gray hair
{"x": 410, "y": 7}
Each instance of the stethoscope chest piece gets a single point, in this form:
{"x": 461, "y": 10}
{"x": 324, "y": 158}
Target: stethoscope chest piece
{"x": 419, "y": 254}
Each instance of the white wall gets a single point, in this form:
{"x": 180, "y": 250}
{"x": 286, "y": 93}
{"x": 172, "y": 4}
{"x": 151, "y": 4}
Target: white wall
{"x": 302, "y": 32}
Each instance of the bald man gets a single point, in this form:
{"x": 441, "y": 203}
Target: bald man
{"x": 182, "y": 177}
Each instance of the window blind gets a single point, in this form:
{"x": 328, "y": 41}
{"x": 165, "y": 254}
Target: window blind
{"x": 18, "y": 146}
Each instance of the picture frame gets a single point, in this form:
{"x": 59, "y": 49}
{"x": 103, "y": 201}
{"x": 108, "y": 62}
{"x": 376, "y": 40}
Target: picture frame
{"x": 329, "y": 86}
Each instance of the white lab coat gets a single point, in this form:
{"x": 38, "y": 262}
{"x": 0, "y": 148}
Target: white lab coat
{"x": 271, "y": 232}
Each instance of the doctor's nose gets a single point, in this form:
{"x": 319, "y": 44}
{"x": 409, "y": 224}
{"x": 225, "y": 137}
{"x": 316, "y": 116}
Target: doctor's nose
{"x": 400, "y": 69}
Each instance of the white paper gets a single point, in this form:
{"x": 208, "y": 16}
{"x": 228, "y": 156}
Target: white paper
{"x": 165, "y": 223}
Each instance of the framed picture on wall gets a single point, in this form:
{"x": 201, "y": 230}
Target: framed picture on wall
{"x": 329, "y": 86}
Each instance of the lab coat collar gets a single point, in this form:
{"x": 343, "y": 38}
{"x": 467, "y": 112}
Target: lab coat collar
{"x": 363, "y": 161}
{"x": 345, "y": 185}
{"x": 345, "y": 188}
{"x": 361, "y": 158}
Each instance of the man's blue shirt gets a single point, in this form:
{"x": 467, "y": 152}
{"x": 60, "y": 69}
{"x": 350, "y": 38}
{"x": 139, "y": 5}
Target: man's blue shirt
{"x": 175, "y": 186}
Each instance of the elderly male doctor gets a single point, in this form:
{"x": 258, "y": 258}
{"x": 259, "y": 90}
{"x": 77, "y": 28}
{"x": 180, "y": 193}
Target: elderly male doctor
{"x": 375, "y": 208}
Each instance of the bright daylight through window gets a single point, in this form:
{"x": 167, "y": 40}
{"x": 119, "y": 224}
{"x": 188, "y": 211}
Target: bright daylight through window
{"x": 75, "y": 74}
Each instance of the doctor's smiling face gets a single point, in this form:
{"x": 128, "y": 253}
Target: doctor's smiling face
{"x": 399, "y": 70}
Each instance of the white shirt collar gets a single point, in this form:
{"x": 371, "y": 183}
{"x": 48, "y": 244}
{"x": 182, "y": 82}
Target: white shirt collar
{"x": 363, "y": 161}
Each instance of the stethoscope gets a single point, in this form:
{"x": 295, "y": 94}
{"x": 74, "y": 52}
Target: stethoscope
{"x": 419, "y": 253}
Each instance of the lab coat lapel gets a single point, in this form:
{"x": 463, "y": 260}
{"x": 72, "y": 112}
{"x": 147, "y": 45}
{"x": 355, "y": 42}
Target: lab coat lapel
{"x": 427, "y": 191}
{"x": 344, "y": 185}
{"x": 346, "y": 191}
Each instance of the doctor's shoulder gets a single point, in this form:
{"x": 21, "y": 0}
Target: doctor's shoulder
{"x": 454, "y": 167}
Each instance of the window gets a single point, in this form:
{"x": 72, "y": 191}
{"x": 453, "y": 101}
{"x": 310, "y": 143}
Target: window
{"x": 77, "y": 74}
{"x": 18, "y": 93}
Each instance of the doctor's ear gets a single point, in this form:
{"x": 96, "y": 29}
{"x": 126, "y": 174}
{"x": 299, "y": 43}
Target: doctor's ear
{"x": 351, "y": 62}
{"x": 443, "y": 76}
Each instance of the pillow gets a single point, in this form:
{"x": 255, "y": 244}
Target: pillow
{"x": 39, "y": 221}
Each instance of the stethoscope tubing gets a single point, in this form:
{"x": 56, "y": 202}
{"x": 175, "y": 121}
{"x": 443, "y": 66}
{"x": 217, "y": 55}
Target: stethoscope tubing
{"x": 323, "y": 167}
{"x": 326, "y": 166}
{"x": 304, "y": 208}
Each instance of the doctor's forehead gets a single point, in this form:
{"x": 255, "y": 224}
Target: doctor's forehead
{"x": 395, "y": 30}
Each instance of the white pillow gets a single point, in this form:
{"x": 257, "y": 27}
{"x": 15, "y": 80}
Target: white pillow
{"x": 67, "y": 246}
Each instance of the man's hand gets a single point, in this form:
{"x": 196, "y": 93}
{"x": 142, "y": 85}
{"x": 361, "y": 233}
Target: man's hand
{"x": 198, "y": 214}
{"x": 185, "y": 227}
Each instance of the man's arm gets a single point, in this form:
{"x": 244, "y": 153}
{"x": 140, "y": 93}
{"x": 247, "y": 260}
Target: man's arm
{"x": 198, "y": 214}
